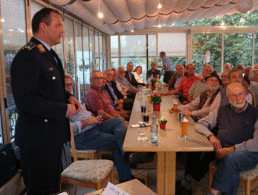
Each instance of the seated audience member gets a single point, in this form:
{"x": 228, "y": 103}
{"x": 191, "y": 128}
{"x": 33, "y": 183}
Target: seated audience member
{"x": 90, "y": 133}
{"x": 130, "y": 76}
{"x": 97, "y": 100}
{"x": 185, "y": 84}
{"x": 153, "y": 72}
{"x": 227, "y": 66}
{"x": 240, "y": 68}
{"x": 176, "y": 79}
{"x": 234, "y": 76}
{"x": 224, "y": 78}
{"x": 247, "y": 70}
{"x": 199, "y": 85}
{"x": 200, "y": 75}
{"x": 120, "y": 87}
{"x": 236, "y": 146}
{"x": 122, "y": 81}
{"x": 254, "y": 82}
{"x": 256, "y": 66}
{"x": 137, "y": 71}
{"x": 200, "y": 107}
{"x": 116, "y": 97}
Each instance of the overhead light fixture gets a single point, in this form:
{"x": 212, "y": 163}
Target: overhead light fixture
{"x": 159, "y": 26}
{"x": 3, "y": 20}
{"x": 132, "y": 30}
{"x": 159, "y": 5}
{"x": 63, "y": 2}
{"x": 222, "y": 23}
{"x": 100, "y": 14}
{"x": 173, "y": 24}
{"x": 244, "y": 6}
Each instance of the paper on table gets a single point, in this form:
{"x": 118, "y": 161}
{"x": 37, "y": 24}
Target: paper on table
{"x": 113, "y": 190}
{"x": 140, "y": 124}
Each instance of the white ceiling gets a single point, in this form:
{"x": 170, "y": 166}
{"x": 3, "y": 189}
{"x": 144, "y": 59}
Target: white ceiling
{"x": 127, "y": 15}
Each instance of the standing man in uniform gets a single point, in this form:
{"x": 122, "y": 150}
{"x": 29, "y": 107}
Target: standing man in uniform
{"x": 167, "y": 66}
{"x": 43, "y": 105}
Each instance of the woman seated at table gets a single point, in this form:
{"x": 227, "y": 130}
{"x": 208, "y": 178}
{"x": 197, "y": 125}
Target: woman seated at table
{"x": 137, "y": 71}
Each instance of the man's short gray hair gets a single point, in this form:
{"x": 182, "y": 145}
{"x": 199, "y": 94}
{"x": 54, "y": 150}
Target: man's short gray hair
{"x": 180, "y": 65}
{"x": 93, "y": 72}
{"x": 121, "y": 67}
{"x": 108, "y": 70}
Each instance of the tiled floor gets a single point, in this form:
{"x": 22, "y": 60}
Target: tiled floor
{"x": 200, "y": 188}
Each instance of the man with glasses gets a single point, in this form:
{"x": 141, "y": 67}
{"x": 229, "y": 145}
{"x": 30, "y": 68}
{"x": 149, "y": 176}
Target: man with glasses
{"x": 224, "y": 78}
{"x": 185, "y": 84}
{"x": 234, "y": 76}
{"x": 200, "y": 107}
{"x": 200, "y": 85}
{"x": 235, "y": 144}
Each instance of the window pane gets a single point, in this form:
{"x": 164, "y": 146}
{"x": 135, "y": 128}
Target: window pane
{"x": 79, "y": 61}
{"x": 69, "y": 46}
{"x": 100, "y": 53}
{"x": 97, "y": 67}
{"x": 92, "y": 57}
{"x": 14, "y": 37}
{"x": 238, "y": 49}
{"x": 35, "y": 7}
{"x": 133, "y": 49}
{"x": 1, "y": 130}
{"x": 202, "y": 43}
{"x": 114, "y": 51}
{"x": 104, "y": 55}
{"x": 86, "y": 55}
{"x": 256, "y": 49}
{"x": 151, "y": 49}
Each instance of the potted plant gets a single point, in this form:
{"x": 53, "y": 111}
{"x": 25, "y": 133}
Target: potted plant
{"x": 156, "y": 100}
{"x": 153, "y": 86}
{"x": 162, "y": 123}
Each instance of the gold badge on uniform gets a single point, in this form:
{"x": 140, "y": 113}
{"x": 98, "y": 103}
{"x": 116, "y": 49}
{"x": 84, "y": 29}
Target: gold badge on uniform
{"x": 41, "y": 48}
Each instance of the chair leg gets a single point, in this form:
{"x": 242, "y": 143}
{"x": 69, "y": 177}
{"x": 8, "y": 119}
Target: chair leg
{"x": 75, "y": 190}
{"x": 210, "y": 177}
{"x": 247, "y": 187}
{"x": 112, "y": 177}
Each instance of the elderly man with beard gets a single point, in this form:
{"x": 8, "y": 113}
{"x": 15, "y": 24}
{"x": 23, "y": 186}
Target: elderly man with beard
{"x": 200, "y": 107}
{"x": 235, "y": 144}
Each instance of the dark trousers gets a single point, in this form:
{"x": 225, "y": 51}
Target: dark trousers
{"x": 41, "y": 170}
{"x": 198, "y": 164}
{"x": 167, "y": 76}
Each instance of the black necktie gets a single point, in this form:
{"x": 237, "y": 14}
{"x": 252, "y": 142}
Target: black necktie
{"x": 56, "y": 57}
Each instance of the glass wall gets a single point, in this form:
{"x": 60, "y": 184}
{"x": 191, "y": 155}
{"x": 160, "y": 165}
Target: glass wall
{"x": 79, "y": 61}
{"x": 256, "y": 49}
{"x": 114, "y": 51}
{"x": 238, "y": 49}
{"x": 151, "y": 50}
{"x": 100, "y": 53}
{"x": 203, "y": 44}
{"x": 86, "y": 55}
{"x": 14, "y": 38}
{"x": 133, "y": 49}
{"x": 92, "y": 52}
{"x": 97, "y": 64}
{"x": 69, "y": 47}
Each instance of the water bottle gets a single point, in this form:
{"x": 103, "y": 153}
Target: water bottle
{"x": 154, "y": 130}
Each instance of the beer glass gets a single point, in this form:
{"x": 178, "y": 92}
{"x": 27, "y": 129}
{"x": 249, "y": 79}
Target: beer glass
{"x": 175, "y": 106}
{"x": 184, "y": 128}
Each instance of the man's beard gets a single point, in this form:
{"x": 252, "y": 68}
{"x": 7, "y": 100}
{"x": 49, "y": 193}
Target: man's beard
{"x": 238, "y": 104}
{"x": 213, "y": 88}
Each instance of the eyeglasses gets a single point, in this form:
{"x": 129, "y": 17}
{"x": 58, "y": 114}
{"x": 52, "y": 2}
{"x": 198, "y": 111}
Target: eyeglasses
{"x": 68, "y": 84}
{"x": 98, "y": 78}
{"x": 109, "y": 74}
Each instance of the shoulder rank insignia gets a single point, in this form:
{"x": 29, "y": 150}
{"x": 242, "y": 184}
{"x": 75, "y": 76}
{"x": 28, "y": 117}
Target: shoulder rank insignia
{"x": 29, "y": 46}
{"x": 41, "y": 48}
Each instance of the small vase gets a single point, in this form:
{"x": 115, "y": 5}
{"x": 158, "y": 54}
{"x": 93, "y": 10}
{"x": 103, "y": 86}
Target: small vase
{"x": 162, "y": 125}
{"x": 153, "y": 88}
{"x": 156, "y": 107}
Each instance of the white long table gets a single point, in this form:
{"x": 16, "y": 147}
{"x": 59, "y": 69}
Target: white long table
{"x": 169, "y": 143}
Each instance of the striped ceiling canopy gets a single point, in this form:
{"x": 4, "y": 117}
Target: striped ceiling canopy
{"x": 128, "y": 15}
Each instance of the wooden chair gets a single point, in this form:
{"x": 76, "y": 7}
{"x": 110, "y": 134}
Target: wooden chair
{"x": 87, "y": 153}
{"x": 87, "y": 173}
{"x": 246, "y": 177}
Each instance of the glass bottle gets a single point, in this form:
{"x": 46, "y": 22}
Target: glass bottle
{"x": 154, "y": 130}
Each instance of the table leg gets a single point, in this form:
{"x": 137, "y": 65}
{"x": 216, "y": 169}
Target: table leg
{"x": 166, "y": 173}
